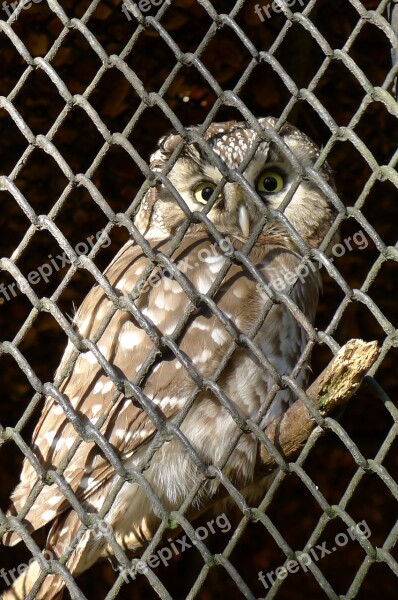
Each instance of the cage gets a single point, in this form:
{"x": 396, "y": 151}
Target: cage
{"x": 87, "y": 89}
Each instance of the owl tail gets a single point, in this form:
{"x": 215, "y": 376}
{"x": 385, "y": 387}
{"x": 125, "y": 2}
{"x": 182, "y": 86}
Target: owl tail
{"x": 51, "y": 589}
{"x": 61, "y": 535}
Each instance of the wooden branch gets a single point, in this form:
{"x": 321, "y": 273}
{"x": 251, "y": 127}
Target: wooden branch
{"x": 333, "y": 388}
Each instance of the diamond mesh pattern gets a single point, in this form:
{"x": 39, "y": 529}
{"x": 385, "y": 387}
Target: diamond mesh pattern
{"x": 87, "y": 89}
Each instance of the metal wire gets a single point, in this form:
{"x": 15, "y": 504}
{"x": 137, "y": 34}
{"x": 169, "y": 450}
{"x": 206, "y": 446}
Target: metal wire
{"x": 295, "y": 16}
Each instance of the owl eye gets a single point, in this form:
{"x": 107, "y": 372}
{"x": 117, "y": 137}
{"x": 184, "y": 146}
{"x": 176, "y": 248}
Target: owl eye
{"x": 270, "y": 182}
{"x": 203, "y": 191}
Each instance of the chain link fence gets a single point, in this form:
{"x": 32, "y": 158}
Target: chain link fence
{"x": 87, "y": 88}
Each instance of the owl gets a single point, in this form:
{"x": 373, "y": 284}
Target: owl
{"x": 183, "y": 341}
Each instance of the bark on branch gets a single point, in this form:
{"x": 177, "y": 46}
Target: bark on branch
{"x": 333, "y": 388}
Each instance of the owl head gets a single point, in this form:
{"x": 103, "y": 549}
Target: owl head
{"x": 269, "y": 172}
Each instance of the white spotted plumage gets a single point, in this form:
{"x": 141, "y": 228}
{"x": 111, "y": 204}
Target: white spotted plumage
{"x": 203, "y": 342}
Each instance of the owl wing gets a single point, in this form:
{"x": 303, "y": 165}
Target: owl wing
{"x": 91, "y": 393}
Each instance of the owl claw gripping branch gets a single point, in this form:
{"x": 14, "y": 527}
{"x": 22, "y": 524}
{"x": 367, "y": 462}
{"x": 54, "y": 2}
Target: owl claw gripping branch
{"x": 208, "y": 415}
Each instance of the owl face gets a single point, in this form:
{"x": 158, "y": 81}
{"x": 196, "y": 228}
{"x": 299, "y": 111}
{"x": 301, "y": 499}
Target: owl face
{"x": 233, "y": 211}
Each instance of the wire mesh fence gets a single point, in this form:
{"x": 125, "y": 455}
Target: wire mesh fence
{"x": 86, "y": 91}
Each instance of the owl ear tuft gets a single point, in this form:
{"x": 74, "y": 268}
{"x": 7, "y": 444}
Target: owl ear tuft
{"x": 169, "y": 143}
{"x": 166, "y": 146}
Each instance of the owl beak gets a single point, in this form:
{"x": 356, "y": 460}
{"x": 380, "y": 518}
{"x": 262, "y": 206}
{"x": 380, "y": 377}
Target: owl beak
{"x": 243, "y": 219}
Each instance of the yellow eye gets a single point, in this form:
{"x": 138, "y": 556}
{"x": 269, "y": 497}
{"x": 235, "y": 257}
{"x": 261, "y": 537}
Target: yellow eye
{"x": 270, "y": 182}
{"x": 203, "y": 191}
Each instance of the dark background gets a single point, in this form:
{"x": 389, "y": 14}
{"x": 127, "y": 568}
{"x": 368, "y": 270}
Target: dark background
{"x": 367, "y": 418}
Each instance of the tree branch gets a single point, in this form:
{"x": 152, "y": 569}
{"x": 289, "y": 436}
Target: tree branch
{"x": 333, "y": 388}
